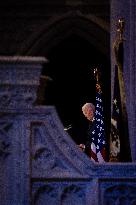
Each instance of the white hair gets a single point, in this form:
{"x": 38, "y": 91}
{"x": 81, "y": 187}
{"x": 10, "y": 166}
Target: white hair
{"x": 87, "y": 106}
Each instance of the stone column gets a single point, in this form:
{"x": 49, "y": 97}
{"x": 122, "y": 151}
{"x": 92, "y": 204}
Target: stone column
{"x": 126, "y": 9}
{"x": 19, "y": 80}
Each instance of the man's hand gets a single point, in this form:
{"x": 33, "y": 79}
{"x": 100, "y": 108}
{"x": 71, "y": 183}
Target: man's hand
{"x": 82, "y": 147}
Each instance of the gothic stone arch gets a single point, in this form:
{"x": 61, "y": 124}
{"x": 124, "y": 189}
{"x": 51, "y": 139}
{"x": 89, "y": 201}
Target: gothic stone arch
{"x": 55, "y": 30}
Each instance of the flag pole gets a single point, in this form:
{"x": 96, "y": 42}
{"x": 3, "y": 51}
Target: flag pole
{"x": 97, "y": 75}
{"x": 117, "y": 47}
{"x": 121, "y": 135}
{"x": 115, "y": 134}
{"x": 98, "y": 144}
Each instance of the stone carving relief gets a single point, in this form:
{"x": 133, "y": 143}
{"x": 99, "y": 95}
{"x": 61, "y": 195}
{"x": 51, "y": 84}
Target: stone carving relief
{"x": 19, "y": 82}
{"x": 59, "y": 193}
{"x": 45, "y": 156}
{"x": 46, "y": 194}
{"x": 52, "y": 153}
{"x": 72, "y": 195}
{"x": 4, "y": 139}
{"x": 123, "y": 194}
{"x": 17, "y": 98}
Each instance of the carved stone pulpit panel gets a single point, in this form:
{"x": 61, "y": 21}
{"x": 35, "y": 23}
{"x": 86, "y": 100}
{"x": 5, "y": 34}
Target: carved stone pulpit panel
{"x": 39, "y": 162}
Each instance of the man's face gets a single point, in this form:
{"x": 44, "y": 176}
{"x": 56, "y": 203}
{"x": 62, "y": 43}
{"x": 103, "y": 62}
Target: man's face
{"x": 88, "y": 113}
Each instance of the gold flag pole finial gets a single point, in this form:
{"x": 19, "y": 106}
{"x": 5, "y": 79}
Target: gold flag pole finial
{"x": 121, "y": 28}
{"x": 96, "y": 74}
{"x": 97, "y": 77}
{"x": 119, "y": 39}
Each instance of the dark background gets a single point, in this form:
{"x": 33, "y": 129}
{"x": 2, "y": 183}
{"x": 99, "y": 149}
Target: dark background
{"x": 71, "y": 66}
{"x": 75, "y": 37}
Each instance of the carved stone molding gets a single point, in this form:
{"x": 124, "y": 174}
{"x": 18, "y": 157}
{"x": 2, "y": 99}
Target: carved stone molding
{"x": 59, "y": 193}
{"x": 122, "y": 194}
{"x": 5, "y": 139}
{"x": 47, "y": 143}
{"x": 19, "y": 81}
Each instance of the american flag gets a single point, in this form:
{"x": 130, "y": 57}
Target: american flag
{"x": 115, "y": 122}
{"x": 97, "y": 132}
{"x": 119, "y": 136}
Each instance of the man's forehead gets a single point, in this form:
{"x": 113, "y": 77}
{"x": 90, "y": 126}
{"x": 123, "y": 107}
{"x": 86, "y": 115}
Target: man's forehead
{"x": 89, "y": 105}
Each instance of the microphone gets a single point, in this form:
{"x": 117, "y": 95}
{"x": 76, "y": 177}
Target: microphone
{"x": 68, "y": 127}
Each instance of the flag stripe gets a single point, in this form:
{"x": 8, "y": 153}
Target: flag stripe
{"x": 97, "y": 133}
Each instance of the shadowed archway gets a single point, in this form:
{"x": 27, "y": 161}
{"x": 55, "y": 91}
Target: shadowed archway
{"x": 70, "y": 67}
{"x": 74, "y": 45}
{"x": 47, "y": 36}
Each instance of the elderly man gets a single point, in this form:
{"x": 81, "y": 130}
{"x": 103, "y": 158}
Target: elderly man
{"x": 88, "y": 110}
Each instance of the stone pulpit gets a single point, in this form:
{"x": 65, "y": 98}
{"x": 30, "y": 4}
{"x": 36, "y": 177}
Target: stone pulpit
{"x": 39, "y": 162}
